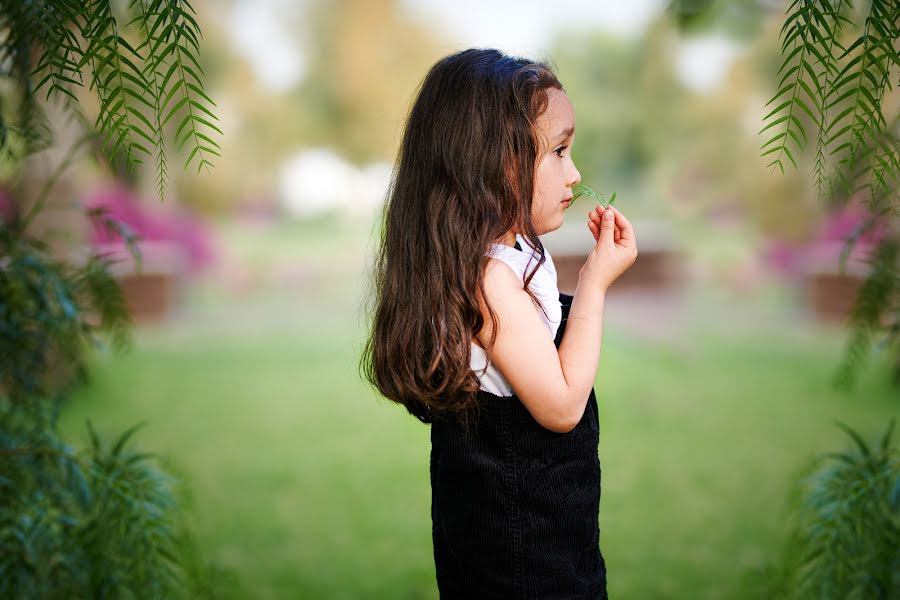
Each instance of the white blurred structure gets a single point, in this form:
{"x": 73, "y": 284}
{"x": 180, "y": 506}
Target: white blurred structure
{"x": 702, "y": 62}
{"x": 261, "y": 33}
{"x": 315, "y": 181}
{"x": 529, "y": 26}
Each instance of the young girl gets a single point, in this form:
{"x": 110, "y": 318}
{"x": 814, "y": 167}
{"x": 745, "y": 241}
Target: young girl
{"x": 472, "y": 336}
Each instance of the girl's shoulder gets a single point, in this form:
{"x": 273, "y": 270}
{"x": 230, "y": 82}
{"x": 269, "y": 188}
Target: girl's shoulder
{"x": 501, "y": 278}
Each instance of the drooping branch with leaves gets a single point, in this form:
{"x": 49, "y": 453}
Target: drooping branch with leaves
{"x": 140, "y": 59}
{"x": 840, "y": 64}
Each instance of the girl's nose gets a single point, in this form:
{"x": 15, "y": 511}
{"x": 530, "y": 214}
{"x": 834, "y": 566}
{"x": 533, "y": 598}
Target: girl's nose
{"x": 575, "y": 179}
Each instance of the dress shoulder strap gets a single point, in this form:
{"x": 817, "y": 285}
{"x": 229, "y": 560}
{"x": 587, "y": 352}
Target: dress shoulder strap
{"x": 543, "y": 285}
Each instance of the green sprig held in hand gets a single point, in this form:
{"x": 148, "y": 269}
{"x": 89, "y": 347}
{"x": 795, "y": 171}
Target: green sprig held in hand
{"x": 583, "y": 190}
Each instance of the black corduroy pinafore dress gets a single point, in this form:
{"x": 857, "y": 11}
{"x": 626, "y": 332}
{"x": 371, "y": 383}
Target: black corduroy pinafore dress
{"x": 515, "y": 506}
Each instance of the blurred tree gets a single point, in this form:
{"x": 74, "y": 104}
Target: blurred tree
{"x": 626, "y": 103}
{"x": 740, "y": 19}
{"x": 365, "y": 60}
{"x": 641, "y": 129}
{"x": 608, "y": 145}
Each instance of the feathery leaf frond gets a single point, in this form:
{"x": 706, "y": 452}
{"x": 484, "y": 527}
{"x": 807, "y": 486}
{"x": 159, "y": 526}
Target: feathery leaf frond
{"x": 857, "y": 93}
{"x": 141, "y": 86}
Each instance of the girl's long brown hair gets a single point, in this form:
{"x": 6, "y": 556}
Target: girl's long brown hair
{"x": 463, "y": 178}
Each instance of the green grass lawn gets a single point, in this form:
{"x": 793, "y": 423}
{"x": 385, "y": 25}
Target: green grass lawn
{"x": 306, "y": 485}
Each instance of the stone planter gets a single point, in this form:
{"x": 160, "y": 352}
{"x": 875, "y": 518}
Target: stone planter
{"x": 151, "y": 291}
{"x": 829, "y": 293}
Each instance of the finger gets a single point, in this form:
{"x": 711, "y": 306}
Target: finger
{"x": 594, "y": 230}
{"x": 595, "y": 216}
{"x": 607, "y": 227}
{"x": 618, "y": 213}
{"x": 626, "y": 230}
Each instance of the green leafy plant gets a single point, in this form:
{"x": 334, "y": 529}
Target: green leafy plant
{"x": 100, "y": 523}
{"x": 583, "y": 190}
{"x": 51, "y": 314}
{"x": 106, "y": 523}
{"x": 845, "y": 535}
{"x": 834, "y": 80}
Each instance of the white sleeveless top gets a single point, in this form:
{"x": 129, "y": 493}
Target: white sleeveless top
{"x": 543, "y": 285}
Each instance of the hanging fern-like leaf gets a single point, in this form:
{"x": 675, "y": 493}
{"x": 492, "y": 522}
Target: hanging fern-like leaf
{"x": 885, "y": 177}
{"x": 143, "y": 87}
{"x": 856, "y": 96}
{"x": 794, "y": 95}
{"x": 152, "y": 73}
{"x": 58, "y": 66}
{"x": 172, "y": 39}
{"x": 825, "y": 71}
{"x": 120, "y": 84}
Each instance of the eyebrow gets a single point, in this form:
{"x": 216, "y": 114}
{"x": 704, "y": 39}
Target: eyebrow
{"x": 565, "y": 133}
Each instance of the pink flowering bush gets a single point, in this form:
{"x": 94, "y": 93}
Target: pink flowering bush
{"x": 793, "y": 259}
{"x": 122, "y": 207}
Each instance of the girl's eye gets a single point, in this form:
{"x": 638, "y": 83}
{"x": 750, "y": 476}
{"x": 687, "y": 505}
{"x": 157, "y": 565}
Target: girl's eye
{"x": 559, "y": 150}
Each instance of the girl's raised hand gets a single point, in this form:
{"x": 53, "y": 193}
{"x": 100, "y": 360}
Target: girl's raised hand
{"x": 615, "y": 248}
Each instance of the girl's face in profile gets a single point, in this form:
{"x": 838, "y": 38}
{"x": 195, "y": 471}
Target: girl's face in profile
{"x": 555, "y": 174}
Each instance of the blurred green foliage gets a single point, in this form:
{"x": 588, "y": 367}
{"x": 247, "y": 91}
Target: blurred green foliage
{"x": 102, "y": 524}
{"x": 845, "y": 526}
{"x": 92, "y": 526}
{"x": 50, "y": 315}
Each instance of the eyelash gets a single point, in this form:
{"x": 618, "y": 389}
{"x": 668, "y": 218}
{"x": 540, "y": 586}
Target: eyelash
{"x": 558, "y": 150}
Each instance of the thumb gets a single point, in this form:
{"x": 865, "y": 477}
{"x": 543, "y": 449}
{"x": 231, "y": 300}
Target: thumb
{"x": 607, "y": 226}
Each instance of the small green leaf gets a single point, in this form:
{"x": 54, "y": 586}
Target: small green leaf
{"x": 776, "y": 110}
{"x": 776, "y": 138}
{"x": 773, "y": 123}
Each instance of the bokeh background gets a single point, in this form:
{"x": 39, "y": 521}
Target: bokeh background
{"x": 718, "y": 345}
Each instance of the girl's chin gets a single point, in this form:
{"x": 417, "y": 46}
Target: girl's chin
{"x": 549, "y": 225}
{"x": 556, "y": 225}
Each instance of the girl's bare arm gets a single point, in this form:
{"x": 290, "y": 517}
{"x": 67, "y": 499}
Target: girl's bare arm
{"x": 554, "y": 385}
